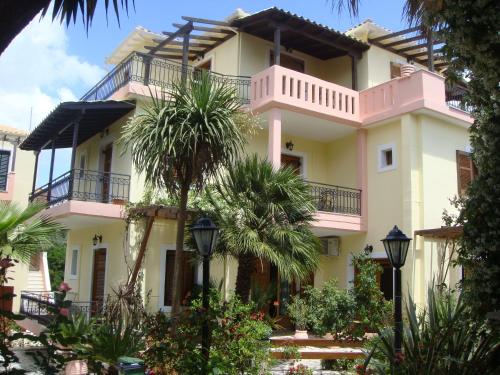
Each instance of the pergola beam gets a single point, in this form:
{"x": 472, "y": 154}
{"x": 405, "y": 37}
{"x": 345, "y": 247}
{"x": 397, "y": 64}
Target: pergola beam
{"x": 177, "y": 43}
{"x": 418, "y": 46}
{"x": 207, "y": 29}
{"x": 397, "y": 33}
{"x": 404, "y": 41}
{"x": 186, "y": 29}
{"x": 205, "y": 21}
{"x": 197, "y": 37}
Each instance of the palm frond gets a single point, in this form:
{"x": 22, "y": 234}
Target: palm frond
{"x": 25, "y": 232}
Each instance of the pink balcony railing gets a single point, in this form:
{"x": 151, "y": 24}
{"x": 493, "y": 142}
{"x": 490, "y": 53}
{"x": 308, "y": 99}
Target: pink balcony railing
{"x": 420, "y": 90}
{"x": 288, "y": 89}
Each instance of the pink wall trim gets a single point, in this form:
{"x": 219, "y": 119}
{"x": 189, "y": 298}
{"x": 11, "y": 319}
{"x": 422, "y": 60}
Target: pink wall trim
{"x": 136, "y": 88}
{"x": 330, "y": 220}
{"x": 420, "y": 90}
{"x": 96, "y": 209}
{"x": 7, "y": 195}
{"x": 284, "y": 88}
{"x": 274, "y": 144}
{"x": 362, "y": 175}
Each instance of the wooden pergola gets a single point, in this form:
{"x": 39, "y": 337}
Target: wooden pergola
{"x": 414, "y": 44}
{"x": 451, "y": 233}
{"x": 284, "y": 29}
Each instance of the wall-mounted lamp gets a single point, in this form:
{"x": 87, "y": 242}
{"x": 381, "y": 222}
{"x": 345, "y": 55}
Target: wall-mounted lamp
{"x": 97, "y": 239}
{"x": 368, "y": 250}
{"x": 289, "y": 145}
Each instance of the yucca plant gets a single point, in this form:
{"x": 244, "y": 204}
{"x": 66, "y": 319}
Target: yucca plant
{"x": 441, "y": 339}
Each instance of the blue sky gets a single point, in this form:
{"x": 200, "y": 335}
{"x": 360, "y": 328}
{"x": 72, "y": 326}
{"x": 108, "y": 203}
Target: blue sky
{"x": 48, "y": 63}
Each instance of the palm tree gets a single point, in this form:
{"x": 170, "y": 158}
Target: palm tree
{"x": 264, "y": 213}
{"x": 15, "y": 15}
{"x": 25, "y": 232}
{"x": 180, "y": 142}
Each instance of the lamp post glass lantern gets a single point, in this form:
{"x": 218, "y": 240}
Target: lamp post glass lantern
{"x": 396, "y": 245}
{"x": 205, "y": 233}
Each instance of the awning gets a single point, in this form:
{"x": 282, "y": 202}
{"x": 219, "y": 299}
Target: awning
{"x": 93, "y": 118}
{"x": 301, "y": 34}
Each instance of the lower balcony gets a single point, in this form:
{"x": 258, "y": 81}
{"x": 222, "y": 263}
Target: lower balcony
{"x": 81, "y": 197}
{"x": 339, "y": 209}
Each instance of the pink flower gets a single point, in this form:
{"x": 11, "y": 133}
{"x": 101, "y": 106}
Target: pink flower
{"x": 64, "y": 311}
{"x": 64, "y": 287}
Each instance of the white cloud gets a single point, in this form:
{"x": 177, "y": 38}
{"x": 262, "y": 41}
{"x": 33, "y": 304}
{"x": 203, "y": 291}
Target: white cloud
{"x": 37, "y": 72}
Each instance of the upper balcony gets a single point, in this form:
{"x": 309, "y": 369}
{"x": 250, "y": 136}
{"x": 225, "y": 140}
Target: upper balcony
{"x": 278, "y": 87}
{"x": 139, "y": 73}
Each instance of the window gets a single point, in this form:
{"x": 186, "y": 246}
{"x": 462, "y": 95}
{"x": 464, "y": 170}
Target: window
{"x": 4, "y": 168}
{"x": 386, "y": 157}
{"x": 466, "y": 171}
{"x": 73, "y": 272}
{"x": 395, "y": 70}
{"x": 188, "y": 272}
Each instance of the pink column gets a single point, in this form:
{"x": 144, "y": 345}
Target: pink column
{"x": 363, "y": 176}
{"x": 274, "y": 145}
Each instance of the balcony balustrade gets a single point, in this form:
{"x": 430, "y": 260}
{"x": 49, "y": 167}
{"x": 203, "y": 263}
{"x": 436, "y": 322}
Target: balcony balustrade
{"x": 336, "y": 199}
{"x": 296, "y": 91}
{"x": 84, "y": 185}
{"x": 158, "y": 73}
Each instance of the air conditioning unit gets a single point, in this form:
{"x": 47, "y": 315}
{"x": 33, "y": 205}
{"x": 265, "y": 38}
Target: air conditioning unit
{"x": 331, "y": 246}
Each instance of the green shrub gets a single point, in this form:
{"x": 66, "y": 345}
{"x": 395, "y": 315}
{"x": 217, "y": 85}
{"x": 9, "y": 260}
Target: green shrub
{"x": 332, "y": 310}
{"x": 299, "y": 312}
{"x": 372, "y": 310}
{"x": 239, "y": 340}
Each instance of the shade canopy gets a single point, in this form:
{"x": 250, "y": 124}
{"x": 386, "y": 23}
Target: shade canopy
{"x": 205, "y": 233}
{"x": 93, "y": 118}
{"x": 301, "y": 34}
{"x": 396, "y": 246}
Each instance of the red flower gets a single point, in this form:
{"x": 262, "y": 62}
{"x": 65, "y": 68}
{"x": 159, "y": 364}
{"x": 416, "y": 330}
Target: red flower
{"x": 64, "y": 287}
{"x": 64, "y": 311}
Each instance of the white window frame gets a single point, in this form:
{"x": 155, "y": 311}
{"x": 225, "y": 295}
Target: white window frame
{"x": 380, "y": 157}
{"x": 163, "y": 264}
{"x": 74, "y": 276}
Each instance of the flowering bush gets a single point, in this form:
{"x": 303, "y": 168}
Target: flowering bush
{"x": 239, "y": 340}
{"x": 299, "y": 370}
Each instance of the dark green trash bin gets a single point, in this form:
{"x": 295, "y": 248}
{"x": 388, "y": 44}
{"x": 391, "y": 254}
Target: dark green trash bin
{"x": 131, "y": 366}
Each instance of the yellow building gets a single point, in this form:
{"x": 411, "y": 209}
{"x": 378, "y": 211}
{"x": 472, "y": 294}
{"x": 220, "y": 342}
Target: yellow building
{"x": 16, "y": 172}
{"x": 376, "y": 137}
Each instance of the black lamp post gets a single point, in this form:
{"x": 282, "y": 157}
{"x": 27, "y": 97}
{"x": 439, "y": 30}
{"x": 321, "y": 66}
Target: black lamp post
{"x": 396, "y": 246}
{"x": 205, "y": 233}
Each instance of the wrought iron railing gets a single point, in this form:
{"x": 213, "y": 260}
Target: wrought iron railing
{"x": 85, "y": 185}
{"x": 337, "y": 199}
{"x": 158, "y": 72}
{"x": 455, "y": 99}
{"x": 42, "y": 306}
{"x": 38, "y": 305}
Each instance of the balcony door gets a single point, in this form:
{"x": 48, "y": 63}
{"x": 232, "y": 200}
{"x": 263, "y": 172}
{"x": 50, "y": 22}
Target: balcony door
{"x": 98, "y": 280}
{"x": 292, "y": 161}
{"x": 105, "y": 177}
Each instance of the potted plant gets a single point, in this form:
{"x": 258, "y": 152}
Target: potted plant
{"x": 298, "y": 311}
